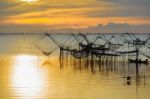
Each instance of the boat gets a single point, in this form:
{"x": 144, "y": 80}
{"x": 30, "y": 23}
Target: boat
{"x": 138, "y": 61}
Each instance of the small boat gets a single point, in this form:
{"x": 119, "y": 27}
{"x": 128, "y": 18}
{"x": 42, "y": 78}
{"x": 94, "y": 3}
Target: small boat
{"x": 138, "y": 61}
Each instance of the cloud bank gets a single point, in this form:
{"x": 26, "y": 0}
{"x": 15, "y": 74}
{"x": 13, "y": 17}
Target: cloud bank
{"x": 100, "y": 28}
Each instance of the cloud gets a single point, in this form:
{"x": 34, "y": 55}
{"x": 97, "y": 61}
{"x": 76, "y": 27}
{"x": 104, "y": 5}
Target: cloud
{"x": 100, "y": 28}
{"x": 13, "y": 7}
{"x": 57, "y": 14}
{"x": 130, "y": 2}
{"x": 128, "y": 8}
{"x": 102, "y": 8}
{"x": 109, "y": 28}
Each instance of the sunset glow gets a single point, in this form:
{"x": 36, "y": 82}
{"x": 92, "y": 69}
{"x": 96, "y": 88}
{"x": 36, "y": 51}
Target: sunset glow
{"x": 46, "y": 15}
{"x": 29, "y": 0}
{"x": 27, "y": 76}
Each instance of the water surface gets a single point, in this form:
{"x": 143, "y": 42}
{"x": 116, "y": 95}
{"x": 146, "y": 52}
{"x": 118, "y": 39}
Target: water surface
{"x": 24, "y": 75}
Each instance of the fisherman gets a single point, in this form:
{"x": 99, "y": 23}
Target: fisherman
{"x": 128, "y": 80}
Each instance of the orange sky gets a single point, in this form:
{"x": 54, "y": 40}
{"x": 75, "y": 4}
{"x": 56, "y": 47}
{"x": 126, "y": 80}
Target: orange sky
{"x": 74, "y": 13}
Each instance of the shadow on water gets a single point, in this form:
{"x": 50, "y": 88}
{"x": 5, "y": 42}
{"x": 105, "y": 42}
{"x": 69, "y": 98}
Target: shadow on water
{"x": 46, "y": 63}
{"x": 131, "y": 73}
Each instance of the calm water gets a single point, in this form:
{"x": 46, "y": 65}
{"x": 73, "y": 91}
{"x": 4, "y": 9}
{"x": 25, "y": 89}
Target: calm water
{"x": 33, "y": 77}
{"x": 24, "y": 75}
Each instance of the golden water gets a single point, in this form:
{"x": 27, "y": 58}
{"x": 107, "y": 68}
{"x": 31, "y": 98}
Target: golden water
{"x": 35, "y": 77}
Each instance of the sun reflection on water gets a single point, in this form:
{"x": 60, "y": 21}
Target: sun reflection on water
{"x": 27, "y": 78}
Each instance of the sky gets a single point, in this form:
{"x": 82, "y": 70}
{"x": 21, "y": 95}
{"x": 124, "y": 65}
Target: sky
{"x": 74, "y": 15}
